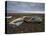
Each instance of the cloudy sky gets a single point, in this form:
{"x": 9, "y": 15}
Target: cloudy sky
{"x": 20, "y": 7}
